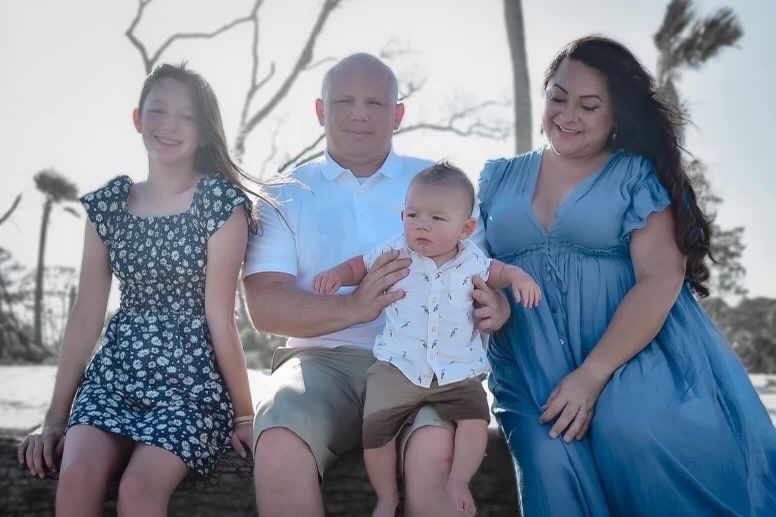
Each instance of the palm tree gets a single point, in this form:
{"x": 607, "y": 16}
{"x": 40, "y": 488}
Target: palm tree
{"x": 513, "y": 16}
{"x": 686, "y": 42}
{"x": 57, "y": 189}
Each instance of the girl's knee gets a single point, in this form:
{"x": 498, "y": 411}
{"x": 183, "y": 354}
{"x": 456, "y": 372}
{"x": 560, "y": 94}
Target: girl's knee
{"x": 79, "y": 477}
{"x": 134, "y": 487}
{"x": 138, "y": 495}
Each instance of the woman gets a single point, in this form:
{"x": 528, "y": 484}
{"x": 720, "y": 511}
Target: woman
{"x": 606, "y": 220}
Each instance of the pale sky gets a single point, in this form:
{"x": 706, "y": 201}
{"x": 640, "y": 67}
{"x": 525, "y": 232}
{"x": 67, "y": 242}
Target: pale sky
{"x": 70, "y": 79}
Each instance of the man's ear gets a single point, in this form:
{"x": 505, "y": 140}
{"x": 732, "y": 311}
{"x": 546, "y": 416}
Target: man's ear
{"x": 468, "y": 229}
{"x": 319, "y": 110}
{"x": 136, "y": 119}
{"x": 398, "y": 114}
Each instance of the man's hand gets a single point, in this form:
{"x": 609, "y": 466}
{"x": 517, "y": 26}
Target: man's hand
{"x": 491, "y": 307}
{"x": 372, "y": 295}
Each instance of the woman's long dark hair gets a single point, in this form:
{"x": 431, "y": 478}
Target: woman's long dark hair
{"x": 648, "y": 126}
{"x": 213, "y": 155}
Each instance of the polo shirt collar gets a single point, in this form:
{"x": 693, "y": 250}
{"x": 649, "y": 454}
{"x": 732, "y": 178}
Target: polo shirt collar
{"x": 331, "y": 169}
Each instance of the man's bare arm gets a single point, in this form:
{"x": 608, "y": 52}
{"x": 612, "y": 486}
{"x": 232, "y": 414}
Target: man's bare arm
{"x": 277, "y": 305}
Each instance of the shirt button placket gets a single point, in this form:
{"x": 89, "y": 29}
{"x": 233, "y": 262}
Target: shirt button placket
{"x": 555, "y": 305}
{"x": 433, "y": 316}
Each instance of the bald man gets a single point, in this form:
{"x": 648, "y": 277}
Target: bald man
{"x": 348, "y": 201}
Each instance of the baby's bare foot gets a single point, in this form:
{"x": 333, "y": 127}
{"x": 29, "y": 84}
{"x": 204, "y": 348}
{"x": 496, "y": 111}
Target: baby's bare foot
{"x": 386, "y": 507}
{"x": 459, "y": 493}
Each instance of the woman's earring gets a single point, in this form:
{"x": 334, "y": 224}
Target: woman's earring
{"x": 613, "y": 138}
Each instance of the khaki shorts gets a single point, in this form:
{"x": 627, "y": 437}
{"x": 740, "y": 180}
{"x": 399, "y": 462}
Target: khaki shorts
{"x": 318, "y": 394}
{"x": 392, "y": 401}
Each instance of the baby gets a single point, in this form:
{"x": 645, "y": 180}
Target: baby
{"x": 430, "y": 351}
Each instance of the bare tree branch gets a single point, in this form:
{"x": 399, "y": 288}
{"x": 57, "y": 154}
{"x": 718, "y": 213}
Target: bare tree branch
{"x": 297, "y": 159}
{"x": 303, "y": 60}
{"x": 394, "y": 49}
{"x": 320, "y": 62}
{"x": 150, "y": 62}
{"x": 255, "y": 84}
{"x": 8, "y": 212}
{"x": 130, "y": 33}
{"x": 273, "y": 151}
{"x": 408, "y": 88}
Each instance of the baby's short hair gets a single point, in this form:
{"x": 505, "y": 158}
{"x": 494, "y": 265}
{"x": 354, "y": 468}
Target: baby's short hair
{"x": 445, "y": 173}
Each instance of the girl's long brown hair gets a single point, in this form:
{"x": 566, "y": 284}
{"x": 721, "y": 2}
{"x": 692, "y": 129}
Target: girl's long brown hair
{"x": 213, "y": 155}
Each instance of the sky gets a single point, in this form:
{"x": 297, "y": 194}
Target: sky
{"x": 70, "y": 79}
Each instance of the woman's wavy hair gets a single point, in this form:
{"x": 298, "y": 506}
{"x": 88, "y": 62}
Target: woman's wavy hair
{"x": 213, "y": 155}
{"x": 647, "y": 125}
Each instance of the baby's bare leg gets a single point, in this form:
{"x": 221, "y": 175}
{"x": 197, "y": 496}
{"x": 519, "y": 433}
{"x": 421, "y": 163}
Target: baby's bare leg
{"x": 471, "y": 437}
{"x": 381, "y": 467}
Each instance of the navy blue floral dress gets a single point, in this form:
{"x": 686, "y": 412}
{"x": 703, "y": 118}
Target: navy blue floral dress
{"x": 154, "y": 378}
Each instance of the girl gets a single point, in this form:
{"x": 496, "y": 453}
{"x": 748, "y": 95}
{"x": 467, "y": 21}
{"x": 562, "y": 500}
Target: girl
{"x": 168, "y": 387}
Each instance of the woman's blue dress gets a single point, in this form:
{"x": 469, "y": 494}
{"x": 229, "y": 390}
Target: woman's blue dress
{"x": 679, "y": 429}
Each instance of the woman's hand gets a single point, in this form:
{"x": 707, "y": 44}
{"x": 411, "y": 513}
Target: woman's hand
{"x": 41, "y": 452}
{"x": 242, "y": 439}
{"x": 573, "y": 401}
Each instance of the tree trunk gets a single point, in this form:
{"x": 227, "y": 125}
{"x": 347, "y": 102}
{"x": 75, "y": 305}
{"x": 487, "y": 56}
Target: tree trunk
{"x": 513, "y": 15}
{"x": 38, "y": 338}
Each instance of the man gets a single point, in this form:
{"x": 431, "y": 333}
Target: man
{"x": 347, "y": 202}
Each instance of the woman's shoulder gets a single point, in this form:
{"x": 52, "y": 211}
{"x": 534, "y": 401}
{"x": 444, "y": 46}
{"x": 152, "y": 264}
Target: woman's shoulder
{"x": 632, "y": 166}
{"x": 512, "y": 163}
{"x": 513, "y": 170}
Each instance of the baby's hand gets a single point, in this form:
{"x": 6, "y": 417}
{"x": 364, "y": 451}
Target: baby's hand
{"x": 326, "y": 282}
{"x": 526, "y": 290}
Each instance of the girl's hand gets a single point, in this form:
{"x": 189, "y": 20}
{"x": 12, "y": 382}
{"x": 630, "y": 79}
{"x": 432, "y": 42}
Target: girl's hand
{"x": 242, "y": 440}
{"x": 41, "y": 452}
{"x": 574, "y": 399}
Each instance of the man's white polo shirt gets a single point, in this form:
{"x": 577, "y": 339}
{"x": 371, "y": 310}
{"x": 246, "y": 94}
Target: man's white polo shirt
{"x": 331, "y": 218}
{"x": 431, "y": 330}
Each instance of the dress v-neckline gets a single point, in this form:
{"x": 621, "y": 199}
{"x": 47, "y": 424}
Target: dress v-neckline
{"x": 573, "y": 193}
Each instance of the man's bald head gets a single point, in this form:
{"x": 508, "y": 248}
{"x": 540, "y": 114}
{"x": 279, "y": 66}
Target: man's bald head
{"x": 363, "y": 62}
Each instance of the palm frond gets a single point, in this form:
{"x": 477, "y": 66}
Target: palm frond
{"x": 678, "y": 17}
{"x": 708, "y": 37}
{"x": 55, "y": 185}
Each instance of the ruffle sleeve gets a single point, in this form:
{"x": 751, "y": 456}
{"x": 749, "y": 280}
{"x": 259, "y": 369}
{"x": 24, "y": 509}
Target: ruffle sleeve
{"x": 647, "y": 196}
{"x": 103, "y": 204}
{"x": 490, "y": 177}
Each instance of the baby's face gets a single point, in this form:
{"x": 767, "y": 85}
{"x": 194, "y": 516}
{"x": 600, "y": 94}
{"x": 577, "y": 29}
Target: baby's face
{"x": 435, "y": 218}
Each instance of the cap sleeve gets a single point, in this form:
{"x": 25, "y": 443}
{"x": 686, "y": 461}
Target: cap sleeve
{"x": 490, "y": 176}
{"x": 217, "y": 199}
{"x": 103, "y": 204}
{"x": 647, "y": 196}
